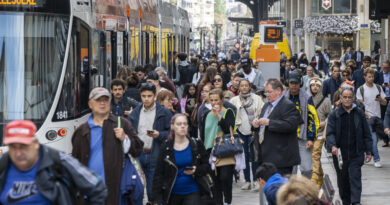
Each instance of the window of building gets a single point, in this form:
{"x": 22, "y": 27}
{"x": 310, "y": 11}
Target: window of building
{"x": 337, "y": 7}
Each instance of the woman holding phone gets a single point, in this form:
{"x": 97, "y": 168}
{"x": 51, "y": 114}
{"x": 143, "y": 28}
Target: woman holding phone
{"x": 179, "y": 178}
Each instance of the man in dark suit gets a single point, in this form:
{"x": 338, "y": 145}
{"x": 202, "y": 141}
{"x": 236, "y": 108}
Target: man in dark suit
{"x": 276, "y": 131}
{"x": 358, "y": 57}
{"x": 358, "y": 74}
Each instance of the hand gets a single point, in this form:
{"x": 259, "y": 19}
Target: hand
{"x": 190, "y": 172}
{"x": 368, "y": 158}
{"x": 335, "y": 151}
{"x": 256, "y": 123}
{"x": 129, "y": 111}
{"x": 119, "y": 133}
{"x": 186, "y": 114}
{"x": 323, "y": 124}
{"x": 309, "y": 144}
{"x": 368, "y": 116}
{"x": 387, "y": 131}
{"x": 217, "y": 109}
{"x": 264, "y": 121}
{"x": 155, "y": 134}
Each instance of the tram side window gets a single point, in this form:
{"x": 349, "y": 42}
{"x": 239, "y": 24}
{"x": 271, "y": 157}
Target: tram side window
{"x": 75, "y": 90}
{"x": 83, "y": 71}
{"x": 66, "y": 108}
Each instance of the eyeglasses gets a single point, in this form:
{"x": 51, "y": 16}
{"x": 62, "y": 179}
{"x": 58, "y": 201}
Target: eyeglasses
{"x": 217, "y": 80}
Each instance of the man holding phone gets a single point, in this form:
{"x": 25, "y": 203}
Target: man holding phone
{"x": 373, "y": 96}
{"x": 152, "y": 123}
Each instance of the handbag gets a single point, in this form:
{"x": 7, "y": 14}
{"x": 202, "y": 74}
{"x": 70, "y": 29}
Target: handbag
{"x": 227, "y": 145}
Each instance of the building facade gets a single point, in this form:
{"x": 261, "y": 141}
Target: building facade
{"x": 333, "y": 25}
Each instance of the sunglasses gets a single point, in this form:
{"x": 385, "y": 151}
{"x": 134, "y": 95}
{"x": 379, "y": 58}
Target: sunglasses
{"x": 217, "y": 80}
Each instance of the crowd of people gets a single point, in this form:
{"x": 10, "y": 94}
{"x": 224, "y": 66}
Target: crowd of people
{"x": 165, "y": 132}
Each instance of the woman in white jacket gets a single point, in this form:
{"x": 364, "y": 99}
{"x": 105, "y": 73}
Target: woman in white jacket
{"x": 249, "y": 107}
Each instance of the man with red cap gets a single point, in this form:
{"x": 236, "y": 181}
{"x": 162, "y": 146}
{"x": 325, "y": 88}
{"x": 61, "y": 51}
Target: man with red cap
{"x": 32, "y": 173}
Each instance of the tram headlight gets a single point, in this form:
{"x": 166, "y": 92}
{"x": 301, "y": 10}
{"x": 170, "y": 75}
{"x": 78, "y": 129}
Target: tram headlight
{"x": 51, "y": 135}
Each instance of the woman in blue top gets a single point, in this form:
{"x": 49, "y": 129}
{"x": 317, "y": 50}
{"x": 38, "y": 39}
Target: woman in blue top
{"x": 183, "y": 163}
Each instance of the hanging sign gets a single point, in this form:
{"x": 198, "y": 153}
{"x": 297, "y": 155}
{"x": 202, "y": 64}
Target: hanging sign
{"x": 326, "y": 4}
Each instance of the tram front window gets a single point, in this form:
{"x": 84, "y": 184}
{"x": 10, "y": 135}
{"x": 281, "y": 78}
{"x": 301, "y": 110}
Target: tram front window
{"x": 32, "y": 50}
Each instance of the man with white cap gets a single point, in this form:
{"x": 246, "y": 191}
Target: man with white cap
{"x": 102, "y": 142}
{"x": 32, "y": 173}
{"x": 323, "y": 107}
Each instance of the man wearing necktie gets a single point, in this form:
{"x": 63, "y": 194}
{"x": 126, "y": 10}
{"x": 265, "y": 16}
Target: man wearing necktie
{"x": 275, "y": 132}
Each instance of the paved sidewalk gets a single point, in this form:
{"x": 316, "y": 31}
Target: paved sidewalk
{"x": 376, "y": 181}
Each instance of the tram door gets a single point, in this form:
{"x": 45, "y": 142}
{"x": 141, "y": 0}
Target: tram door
{"x": 97, "y": 67}
{"x": 114, "y": 51}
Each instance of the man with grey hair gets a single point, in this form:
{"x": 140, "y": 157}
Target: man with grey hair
{"x": 275, "y": 138}
{"x": 348, "y": 131}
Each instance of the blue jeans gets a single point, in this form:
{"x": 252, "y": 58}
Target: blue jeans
{"x": 247, "y": 140}
{"x": 375, "y": 151}
{"x": 148, "y": 168}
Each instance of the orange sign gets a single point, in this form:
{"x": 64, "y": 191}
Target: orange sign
{"x": 128, "y": 10}
{"x": 18, "y": 2}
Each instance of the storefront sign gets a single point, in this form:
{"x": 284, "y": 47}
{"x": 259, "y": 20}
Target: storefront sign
{"x": 363, "y": 25}
{"x": 298, "y": 23}
{"x": 18, "y": 2}
{"x": 326, "y": 4}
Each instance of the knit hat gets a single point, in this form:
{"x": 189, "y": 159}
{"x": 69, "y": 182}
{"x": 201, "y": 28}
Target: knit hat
{"x": 316, "y": 81}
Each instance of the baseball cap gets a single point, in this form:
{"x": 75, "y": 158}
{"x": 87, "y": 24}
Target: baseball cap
{"x": 99, "y": 92}
{"x": 294, "y": 77}
{"x": 245, "y": 62}
{"x": 19, "y": 131}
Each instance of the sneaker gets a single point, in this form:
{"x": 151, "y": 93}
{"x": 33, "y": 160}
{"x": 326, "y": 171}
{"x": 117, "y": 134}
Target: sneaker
{"x": 385, "y": 145}
{"x": 255, "y": 186}
{"x": 246, "y": 186}
{"x": 378, "y": 164}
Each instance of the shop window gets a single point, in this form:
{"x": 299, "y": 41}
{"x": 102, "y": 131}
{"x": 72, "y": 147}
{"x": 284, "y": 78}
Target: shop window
{"x": 342, "y": 6}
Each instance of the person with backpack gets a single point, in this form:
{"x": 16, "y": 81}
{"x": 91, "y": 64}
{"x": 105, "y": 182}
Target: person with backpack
{"x": 182, "y": 166}
{"x": 32, "y": 173}
{"x": 348, "y": 132}
{"x": 373, "y": 96}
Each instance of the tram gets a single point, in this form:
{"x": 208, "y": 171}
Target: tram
{"x": 53, "y": 52}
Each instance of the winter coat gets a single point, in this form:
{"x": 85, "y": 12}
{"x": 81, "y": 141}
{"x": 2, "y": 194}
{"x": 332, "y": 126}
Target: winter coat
{"x": 75, "y": 178}
{"x": 272, "y": 186}
{"x": 166, "y": 170}
{"x": 363, "y": 132}
{"x": 113, "y": 155}
{"x": 323, "y": 110}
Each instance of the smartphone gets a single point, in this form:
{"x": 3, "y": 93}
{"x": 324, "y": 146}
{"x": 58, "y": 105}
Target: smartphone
{"x": 150, "y": 132}
{"x": 377, "y": 96}
{"x": 188, "y": 168}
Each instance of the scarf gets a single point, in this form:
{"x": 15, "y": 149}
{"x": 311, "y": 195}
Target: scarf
{"x": 247, "y": 104}
{"x": 246, "y": 100}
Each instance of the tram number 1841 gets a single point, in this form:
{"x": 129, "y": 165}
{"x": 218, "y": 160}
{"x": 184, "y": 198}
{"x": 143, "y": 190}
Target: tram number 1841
{"x": 62, "y": 115}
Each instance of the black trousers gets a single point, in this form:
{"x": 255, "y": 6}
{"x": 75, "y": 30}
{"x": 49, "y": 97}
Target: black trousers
{"x": 349, "y": 179}
{"x": 224, "y": 184}
{"x": 188, "y": 199}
